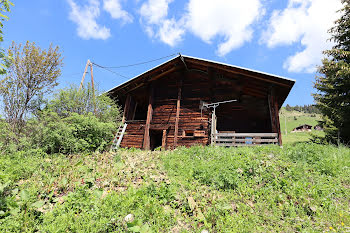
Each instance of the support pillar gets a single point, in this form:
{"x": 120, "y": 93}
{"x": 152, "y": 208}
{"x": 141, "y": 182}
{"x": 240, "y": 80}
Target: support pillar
{"x": 178, "y": 106}
{"x": 274, "y": 115}
{"x": 126, "y": 109}
{"x": 146, "y": 137}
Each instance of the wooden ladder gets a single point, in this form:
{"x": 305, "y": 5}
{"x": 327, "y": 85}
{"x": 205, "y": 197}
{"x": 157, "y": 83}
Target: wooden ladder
{"x": 118, "y": 137}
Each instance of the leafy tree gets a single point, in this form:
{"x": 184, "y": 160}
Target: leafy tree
{"x": 4, "y": 60}
{"x": 72, "y": 100}
{"x": 68, "y": 122}
{"x": 333, "y": 97}
{"x": 33, "y": 72}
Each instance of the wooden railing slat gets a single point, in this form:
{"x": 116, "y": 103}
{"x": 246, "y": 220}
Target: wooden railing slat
{"x": 246, "y": 134}
{"x": 227, "y": 138}
{"x": 246, "y": 140}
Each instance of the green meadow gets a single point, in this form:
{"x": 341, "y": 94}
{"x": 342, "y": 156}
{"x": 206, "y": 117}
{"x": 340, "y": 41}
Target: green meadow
{"x": 302, "y": 187}
{"x": 292, "y": 119}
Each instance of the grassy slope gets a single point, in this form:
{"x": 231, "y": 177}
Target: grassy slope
{"x": 292, "y": 119}
{"x": 296, "y": 188}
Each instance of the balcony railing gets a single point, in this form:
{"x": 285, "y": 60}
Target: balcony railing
{"x": 243, "y": 139}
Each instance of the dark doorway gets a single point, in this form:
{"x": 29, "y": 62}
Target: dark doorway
{"x": 155, "y": 139}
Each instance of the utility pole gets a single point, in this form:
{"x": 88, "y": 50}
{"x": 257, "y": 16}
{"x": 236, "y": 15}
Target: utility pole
{"x": 89, "y": 63}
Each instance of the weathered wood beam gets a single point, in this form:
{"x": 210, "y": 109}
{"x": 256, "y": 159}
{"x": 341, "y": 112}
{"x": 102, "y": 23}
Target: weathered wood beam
{"x": 126, "y": 108}
{"x": 271, "y": 110}
{"x": 164, "y": 73}
{"x": 278, "y": 127}
{"x": 274, "y": 116}
{"x": 147, "y": 74}
{"x": 213, "y": 127}
{"x": 134, "y": 111}
{"x": 164, "y": 140}
{"x": 242, "y": 72}
{"x": 134, "y": 88}
{"x": 178, "y": 107}
{"x": 146, "y": 137}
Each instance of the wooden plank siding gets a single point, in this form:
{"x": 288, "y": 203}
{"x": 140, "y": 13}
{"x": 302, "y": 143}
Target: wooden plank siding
{"x": 133, "y": 137}
{"x": 166, "y": 103}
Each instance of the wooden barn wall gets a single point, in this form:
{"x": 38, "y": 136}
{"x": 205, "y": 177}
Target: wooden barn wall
{"x": 134, "y": 135}
{"x": 193, "y": 89}
{"x": 250, "y": 115}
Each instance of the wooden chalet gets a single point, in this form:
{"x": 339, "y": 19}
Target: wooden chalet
{"x": 302, "y": 128}
{"x": 187, "y": 101}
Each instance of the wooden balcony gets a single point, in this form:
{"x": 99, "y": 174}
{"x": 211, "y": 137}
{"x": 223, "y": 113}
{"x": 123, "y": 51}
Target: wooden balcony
{"x": 243, "y": 139}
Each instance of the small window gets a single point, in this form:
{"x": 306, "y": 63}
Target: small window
{"x": 189, "y": 133}
{"x": 193, "y": 133}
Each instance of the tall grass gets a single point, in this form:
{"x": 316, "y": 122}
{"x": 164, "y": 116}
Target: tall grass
{"x": 303, "y": 188}
{"x": 297, "y": 188}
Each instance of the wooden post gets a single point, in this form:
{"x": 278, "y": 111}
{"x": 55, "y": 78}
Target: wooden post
{"x": 213, "y": 127}
{"x": 93, "y": 87}
{"x": 164, "y": 140}
{"x": 278, "y": 127}
{"x": 212, "y": 85}
{"x": 273, "y": 107}
{"x": 134, "y": 112}
{"x": 126, "y": 109}
{"x": 272, "y": 113}
{"x": 88, "y": 63}
{"x": 82, "y": 79}
{"x": 177, "y": 114}
{"x": 146, "y": 137}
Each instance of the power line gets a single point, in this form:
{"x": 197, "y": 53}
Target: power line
{"x": 140, "y": 63}
{"x": 106, "y": 68}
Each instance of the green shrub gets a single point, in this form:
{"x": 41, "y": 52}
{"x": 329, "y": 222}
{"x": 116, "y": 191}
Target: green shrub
{"x": 71, "y": 122}
{"x": 7, "y": 144}
{"x": 72, "y": 134}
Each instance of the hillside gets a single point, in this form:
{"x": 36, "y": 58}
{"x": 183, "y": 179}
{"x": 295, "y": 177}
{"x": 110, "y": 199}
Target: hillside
{"x": 291, "y": 119}
{"x": 262, "y": 189}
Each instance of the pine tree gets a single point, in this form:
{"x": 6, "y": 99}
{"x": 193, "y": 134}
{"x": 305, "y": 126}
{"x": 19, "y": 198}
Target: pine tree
{"x": 288, "y": 107}
{"x": 333, "y": 85}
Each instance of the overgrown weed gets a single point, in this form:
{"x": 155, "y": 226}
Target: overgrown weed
{"x": 296, "y": 188}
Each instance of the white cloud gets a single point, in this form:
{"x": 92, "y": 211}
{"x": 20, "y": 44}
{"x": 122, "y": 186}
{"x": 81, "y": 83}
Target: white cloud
{"x": 171, "y": 32}
{"x": 154, "y": 11}
{"x": 155, "y": 14}
{"x": 229, "y": 20}
{"x": 114, "y": 8}
{"x": 307, "y": 22}
{"x": 85, "y": 18}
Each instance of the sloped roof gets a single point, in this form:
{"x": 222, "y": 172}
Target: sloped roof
{"x": 188, "y": 62}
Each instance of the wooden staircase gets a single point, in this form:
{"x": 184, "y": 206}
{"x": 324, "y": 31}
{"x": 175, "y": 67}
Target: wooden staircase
{"x": 118, "y": 137}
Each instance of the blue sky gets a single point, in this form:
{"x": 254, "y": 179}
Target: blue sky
{"x": 282, "y": 37}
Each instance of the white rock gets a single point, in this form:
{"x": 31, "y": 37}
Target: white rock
{"x": 205, "y": 231}
{"x": 129, "y": 218}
